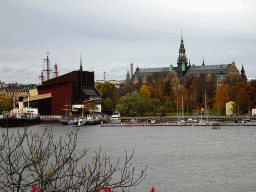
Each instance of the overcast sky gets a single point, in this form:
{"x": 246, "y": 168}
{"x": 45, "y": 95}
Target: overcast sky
{"x": 111, "y": 34}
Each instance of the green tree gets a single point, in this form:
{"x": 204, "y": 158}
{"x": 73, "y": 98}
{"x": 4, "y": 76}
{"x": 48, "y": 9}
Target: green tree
{"x": 5, "y": 104}
{"x": 108, "y": 104}
{"x": 122, "y": 106}
{"x": 130, "y": 103}
{"x": 168, "y": 106}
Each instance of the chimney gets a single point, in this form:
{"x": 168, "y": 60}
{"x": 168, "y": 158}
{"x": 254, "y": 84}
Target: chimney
{"x": 20, "y": 102}
{"x": 131, "y": 70}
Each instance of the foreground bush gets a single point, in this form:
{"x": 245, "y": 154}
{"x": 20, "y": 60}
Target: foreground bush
{"x": 29, "y": 159}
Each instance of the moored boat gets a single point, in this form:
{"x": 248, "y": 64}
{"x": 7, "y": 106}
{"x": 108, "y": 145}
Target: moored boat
{"x": 115, "y": 118}
{"x": 82, "y": 121}
{"x": 22, "y": 116}
{"x": 70, "y": 122}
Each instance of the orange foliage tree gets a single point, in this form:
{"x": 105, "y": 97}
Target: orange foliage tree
{"x": 244, "y": 96}
{"x": 221, "y": 98}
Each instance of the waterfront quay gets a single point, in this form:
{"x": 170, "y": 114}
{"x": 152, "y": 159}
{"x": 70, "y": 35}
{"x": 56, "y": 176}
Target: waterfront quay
{"x": 164, "y": 119}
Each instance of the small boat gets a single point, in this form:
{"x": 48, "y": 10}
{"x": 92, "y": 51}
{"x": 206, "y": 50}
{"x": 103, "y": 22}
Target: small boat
{"x": 82, "y": 121}
{"x": 151, "y": 120}
{"x": 203, "y": 122}
{"x": 115, "y": 118}
{"x": 181, "y": 122}
{"x": 133, "y": 121}
{"x": 70, "y": 121}
{"x": 243, "y": 121}
{"x": 247, "y": 119}
{"x": 73, "y": 122}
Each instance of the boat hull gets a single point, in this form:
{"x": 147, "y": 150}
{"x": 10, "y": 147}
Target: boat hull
{"x": 19, "y": 122}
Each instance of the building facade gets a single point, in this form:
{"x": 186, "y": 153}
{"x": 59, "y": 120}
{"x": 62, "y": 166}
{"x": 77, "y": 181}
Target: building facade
{"x": 218, "y": 72}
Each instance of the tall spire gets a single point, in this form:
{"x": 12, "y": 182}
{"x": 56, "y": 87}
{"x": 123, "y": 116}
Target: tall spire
{"x": 182, "y": 59}
{"x": 81, "y": 72}
{"x": 81, "y": 67}
{"x": 203, "y": 62}
{"x": 243, "y": 72}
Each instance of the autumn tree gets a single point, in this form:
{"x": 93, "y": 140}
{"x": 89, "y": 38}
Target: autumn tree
{"x": 231, "y": 80}
{"x": 198, "y": 89}
{"x": 183, "y": 99}
{"x": 157, "y": 85}
{"x": 170, "y": 82}
{"x": 5, "y": 104}
{"x": 210, "y": 90}
{"x": 144, "y": 92}
{"x": 221, "y": 98}
{"x": 244, "y": 96}
{"x": 188, "y": 81}
{"x": 242, "y": 101}
{"x": 253, "y": 83}
{"x": 105, "y": 89}
{"x": 88, "y": 107}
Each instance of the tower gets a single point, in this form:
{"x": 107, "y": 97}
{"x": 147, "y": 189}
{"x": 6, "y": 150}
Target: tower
{"x": 127, "y": 80}
{"x": 131, "y": 70}
{"x": 182, "y": 59}
{"x": 81, "y": 72}
{"x": 243, "y": 73}
{"x": 48, "y": 66}
{"x": 42, "y": 78}
{"x": 221, "y": 78}
{"x": 81, "y": 67}
{"x": 56, "y": 70}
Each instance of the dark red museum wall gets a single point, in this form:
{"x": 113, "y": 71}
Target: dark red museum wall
{"x": 61, "y": 93}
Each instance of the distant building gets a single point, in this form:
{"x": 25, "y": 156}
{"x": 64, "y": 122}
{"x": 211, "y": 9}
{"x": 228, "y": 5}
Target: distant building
{"x": 229, "y": 108}
{"x": 218, "y": 72}
{"x": 253, "y": 112}
{"x": 15, "y": 90}
{"x": 118, "y": 83}
{"x": 67, "y": 94}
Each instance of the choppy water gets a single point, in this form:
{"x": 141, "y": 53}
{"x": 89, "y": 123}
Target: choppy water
{"x": 179, "y": 158}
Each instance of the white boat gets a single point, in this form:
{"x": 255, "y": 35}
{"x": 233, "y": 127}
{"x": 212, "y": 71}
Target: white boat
{"x": 203, "y": 122}
{"x": 151, "y": 120}
{"x": 115, "y": 118}
{"x": 82, "y": 121}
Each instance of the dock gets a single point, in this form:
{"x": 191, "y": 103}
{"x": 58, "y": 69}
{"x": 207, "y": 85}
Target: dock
{"x": 177, "y": 125}
{"x": 141, "y": 125}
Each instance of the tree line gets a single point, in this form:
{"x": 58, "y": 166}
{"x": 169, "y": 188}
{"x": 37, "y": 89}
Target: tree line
{"x": 163, "y": 93}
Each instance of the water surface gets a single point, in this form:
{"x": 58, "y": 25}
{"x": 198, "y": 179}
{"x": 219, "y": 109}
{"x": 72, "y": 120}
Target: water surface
{"x": 188, "y": 158}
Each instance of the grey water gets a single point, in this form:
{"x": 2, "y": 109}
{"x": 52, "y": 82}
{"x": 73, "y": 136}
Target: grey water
{"x": 187, "y": 158}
